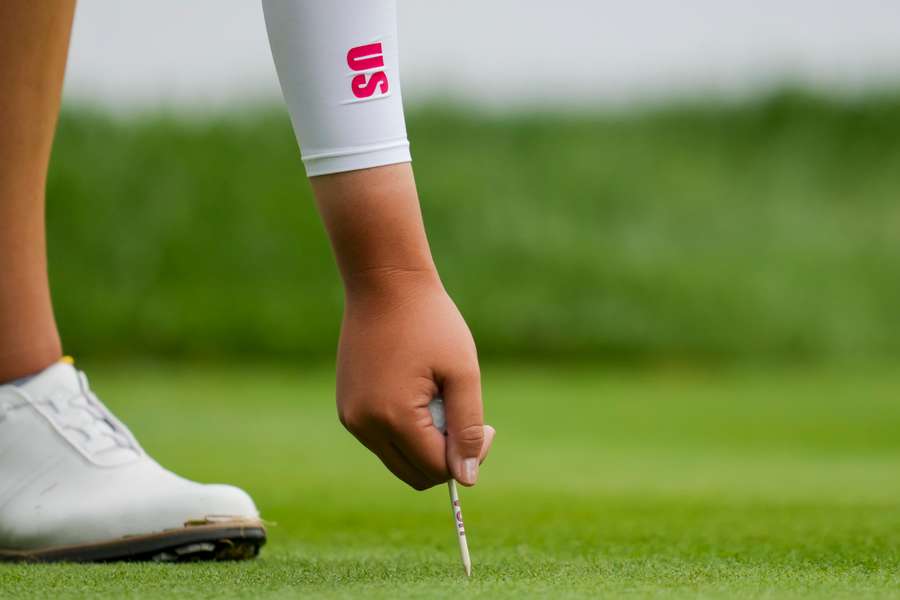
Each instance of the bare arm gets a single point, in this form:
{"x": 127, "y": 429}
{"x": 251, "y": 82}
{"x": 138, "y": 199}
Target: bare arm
{"x": 402, "y": 340}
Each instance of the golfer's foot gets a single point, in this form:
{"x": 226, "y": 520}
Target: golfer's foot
{"x": 76, "y": 486}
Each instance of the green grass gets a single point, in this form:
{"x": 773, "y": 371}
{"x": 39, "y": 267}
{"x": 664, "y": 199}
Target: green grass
{"x": 670, "y": 483}
{"x": 706, "y": 231}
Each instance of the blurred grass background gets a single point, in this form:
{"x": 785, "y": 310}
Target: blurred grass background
{"x": 700, "y": 232}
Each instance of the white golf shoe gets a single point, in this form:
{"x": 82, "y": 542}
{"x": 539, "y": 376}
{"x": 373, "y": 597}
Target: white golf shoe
{"x": 76, "y": 486}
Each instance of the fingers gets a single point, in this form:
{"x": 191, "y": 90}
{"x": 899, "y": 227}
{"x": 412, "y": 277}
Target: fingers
{"x": 397, "y": 463}
{"x": 405, "y": 440}
{"x": 416, "y": 453}
{"x": 427, "y": 452}
{"x": 403, "y": 469}
{"x": 422, "y": 444}
{"x": 401, "y": 431}
{"x": 465, "y": 425}
{"x": 489, "y": 433}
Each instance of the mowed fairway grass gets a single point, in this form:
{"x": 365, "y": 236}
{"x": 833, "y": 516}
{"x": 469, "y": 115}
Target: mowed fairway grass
{"x": 604, "y": 482}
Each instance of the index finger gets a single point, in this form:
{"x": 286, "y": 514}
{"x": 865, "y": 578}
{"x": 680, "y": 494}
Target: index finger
{"x": 421, "y": 443}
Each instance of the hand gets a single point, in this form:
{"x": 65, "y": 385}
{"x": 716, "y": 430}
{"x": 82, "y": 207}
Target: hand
{"x": 402, "y": 342}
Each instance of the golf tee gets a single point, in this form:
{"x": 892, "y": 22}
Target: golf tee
{"x": 460, "y": 527}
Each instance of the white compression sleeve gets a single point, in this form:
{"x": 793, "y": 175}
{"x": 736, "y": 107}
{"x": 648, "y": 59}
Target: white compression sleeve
{"x": 337, "y": 61}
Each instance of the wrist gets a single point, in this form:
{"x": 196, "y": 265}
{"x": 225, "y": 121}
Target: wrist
{"x": 390, "y": 281}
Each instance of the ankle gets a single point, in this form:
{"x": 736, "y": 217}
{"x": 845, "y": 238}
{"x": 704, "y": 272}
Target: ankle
{"x": 25, "y": 362}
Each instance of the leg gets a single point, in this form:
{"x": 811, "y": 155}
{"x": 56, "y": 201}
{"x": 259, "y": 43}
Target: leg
{"x": 34, "y": 41}
{"x": 75, "y": 485}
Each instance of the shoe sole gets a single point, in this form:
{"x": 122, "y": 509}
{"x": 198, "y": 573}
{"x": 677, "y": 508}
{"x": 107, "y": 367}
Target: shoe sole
{"x": 227, "y": 540}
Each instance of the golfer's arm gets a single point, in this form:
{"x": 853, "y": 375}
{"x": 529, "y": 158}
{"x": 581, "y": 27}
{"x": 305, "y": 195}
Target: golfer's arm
{"x": 375, "y": 225}
{"x": 338, "y": 65}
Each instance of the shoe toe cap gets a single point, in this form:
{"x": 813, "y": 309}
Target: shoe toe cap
{"x": 116, "y": 507}
{"x": 227, "y": 501}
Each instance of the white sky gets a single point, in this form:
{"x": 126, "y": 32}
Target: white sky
{"x": 500, "y": 52}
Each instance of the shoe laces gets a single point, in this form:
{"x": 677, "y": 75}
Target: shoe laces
{"x": 7, "y": 406}
{"x": 86, "y": 422}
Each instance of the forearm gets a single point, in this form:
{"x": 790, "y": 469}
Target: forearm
{"x": 402, "y": 339}
{"x": 375, "y": 224}
{"x": 339, "y": 69}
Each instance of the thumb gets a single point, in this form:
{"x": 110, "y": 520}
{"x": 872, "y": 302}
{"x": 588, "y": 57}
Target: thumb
{"x": 465, "y": 425}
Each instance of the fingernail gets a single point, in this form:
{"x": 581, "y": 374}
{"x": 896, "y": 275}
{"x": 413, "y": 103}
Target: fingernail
{"x": 470, "y": 471}
{"x": 489, "y": 433}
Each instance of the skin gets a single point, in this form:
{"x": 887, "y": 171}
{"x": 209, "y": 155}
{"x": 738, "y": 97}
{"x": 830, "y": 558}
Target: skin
{"x": 34, "y": 41}
{"x": 402, "y": 341}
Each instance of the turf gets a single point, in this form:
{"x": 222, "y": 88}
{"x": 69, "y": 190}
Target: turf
{"x": 664, "y": 483}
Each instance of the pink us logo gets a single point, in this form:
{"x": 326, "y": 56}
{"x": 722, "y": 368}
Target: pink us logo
{"x": 368, "y": 62}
